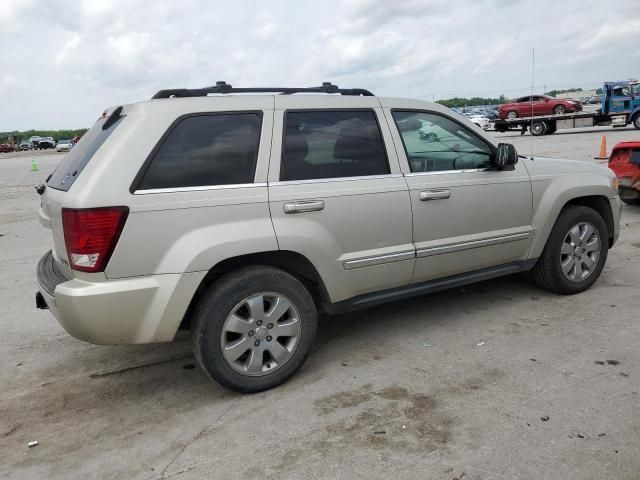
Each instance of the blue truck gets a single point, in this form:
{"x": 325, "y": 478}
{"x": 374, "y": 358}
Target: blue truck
{"x": 620, "y": 107}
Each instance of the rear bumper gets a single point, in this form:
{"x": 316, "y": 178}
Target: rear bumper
{"x": 120, "y": 311}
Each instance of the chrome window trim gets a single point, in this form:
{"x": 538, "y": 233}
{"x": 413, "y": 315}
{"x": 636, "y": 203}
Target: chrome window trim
{"x": 200, "y": 188}
{"x": 378, "y": 260}
{"x": 456, "y": 247}
{"x": 335, "y": 179}
{"x": 443, "y": 172}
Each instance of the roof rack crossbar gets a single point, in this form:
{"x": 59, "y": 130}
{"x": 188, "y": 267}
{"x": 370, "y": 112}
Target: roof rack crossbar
{"x": 223, "y": 87}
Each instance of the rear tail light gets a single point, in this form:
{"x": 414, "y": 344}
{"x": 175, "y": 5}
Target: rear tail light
{"x": 91, "y": 235}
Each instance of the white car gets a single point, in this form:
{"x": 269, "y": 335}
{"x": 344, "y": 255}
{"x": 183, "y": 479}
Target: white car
{"x": 63, "y": 146}
{"x": 481, "y": 121}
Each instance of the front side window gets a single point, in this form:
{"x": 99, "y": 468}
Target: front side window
{"x": 332, "y": 144}
{"x": 206, "y": 150}
{"x": 441, "y": 144}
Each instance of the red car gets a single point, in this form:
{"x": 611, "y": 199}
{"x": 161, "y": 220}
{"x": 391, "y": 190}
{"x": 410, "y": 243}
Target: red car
{"x": 539, "y": 105}
{"x": 625, "y": 162}
{"x": 6, "y": 148}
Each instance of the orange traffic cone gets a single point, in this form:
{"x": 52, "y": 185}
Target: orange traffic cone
{"x": 603, "y": 149}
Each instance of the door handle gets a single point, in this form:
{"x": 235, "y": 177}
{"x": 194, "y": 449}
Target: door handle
{"x": 434, "y": 195}
{"x": 304, "y": 206}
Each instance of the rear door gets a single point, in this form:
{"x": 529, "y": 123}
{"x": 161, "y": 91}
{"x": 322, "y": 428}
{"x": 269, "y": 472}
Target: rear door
{"x": 337, "y": 195}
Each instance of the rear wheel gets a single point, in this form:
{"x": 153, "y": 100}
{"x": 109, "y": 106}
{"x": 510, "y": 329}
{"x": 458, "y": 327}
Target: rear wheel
{"x": 636, "y": 122}
{"x": 253, "y": 328}
{"x": 559, "y": 110}
{"x": 575, "y": 253}
{"x": 538, "y": 128}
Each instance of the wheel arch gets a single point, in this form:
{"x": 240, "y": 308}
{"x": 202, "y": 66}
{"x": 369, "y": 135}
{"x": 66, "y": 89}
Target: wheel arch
{"x": 291, "y": 262}
{"x": 596, "y": 199}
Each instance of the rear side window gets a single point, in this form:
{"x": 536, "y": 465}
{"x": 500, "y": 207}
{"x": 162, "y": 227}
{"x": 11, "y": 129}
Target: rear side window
{"x": 73, "y": 163}
{"x": 332, "y": 144}
{"x": 206, "y": 150}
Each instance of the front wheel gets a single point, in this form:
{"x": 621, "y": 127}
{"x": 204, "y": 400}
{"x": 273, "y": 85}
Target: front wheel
{"x": 575, "y": 253}
{"x": 512, "y": 115}
{"x": 253, "y": 328}
{"x": 559, "y": 110}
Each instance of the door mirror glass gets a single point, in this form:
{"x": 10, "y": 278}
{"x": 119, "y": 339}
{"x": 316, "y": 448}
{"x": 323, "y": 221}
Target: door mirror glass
{"x": 506, "y": 155}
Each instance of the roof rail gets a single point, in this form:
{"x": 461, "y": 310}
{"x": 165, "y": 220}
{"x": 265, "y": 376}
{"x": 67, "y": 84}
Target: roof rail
{"x": 224, "y": 87}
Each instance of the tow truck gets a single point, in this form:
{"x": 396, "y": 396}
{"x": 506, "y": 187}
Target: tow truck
{"x": 620, "y": 107}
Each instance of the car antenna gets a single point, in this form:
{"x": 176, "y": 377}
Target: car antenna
{"x": 533, "y": 70}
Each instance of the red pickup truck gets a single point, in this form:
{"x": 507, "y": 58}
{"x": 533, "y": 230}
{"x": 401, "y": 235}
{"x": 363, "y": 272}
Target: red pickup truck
{"x": 625, "y": 162}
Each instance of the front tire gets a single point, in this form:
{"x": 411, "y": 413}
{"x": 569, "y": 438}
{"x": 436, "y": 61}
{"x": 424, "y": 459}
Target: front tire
{"x": 575, "y": 253}
{"x": 559, "y": 110}
{"x": 253, "y": 328}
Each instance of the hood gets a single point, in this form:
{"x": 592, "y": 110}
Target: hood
{"x": 554, "y": 166}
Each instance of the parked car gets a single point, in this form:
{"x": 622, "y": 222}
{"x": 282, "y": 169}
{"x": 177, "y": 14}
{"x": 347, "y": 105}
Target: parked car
{"x": 198, "y": 228}
{"x": 625, "y": 162}
{"x": 538, "y": 105}
{"x": 63, "y": 146}
{"x": 25, "y": 145}
{"x": 6, "y": 148}
{"x": 481, "y": 121}
{"x": 46, "y": 143}
{"x": 34, "y": 141}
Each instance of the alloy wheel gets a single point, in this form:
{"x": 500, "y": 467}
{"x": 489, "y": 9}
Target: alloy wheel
{"x": 580, "y": 252}
{"x": 260, "y": 334}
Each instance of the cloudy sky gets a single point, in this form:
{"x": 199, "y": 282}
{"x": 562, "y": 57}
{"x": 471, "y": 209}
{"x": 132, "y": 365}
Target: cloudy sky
{"x": 63, "y": 61}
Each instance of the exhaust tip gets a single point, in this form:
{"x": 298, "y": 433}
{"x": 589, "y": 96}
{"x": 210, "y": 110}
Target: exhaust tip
{"x": 40, "y": 303}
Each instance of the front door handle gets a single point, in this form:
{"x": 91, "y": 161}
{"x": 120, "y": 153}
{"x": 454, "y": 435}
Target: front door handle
{"x": 434, "y": 195}
{"x": 304, "y": 206}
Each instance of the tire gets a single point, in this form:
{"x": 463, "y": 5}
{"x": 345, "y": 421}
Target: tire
{"x": 214, "y": 325}
{"x": 548, "y": 272}
{"x": 636, "y": 122}
{"x": 559, "y": 110}
{"x": 512, "y": 114}
{"x": 539, "y": 128}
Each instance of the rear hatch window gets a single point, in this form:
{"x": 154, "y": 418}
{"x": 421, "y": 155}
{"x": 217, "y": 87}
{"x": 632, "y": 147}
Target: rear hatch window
{"x": 78, "y": 157}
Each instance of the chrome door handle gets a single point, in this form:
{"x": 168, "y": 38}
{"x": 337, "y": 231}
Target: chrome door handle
{"x": 304, "y": 206}
{"x": 434, "y": 195}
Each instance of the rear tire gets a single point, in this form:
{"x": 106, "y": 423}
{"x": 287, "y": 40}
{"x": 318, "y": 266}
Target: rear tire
{"x": 572, "y": 249}
{"x": 538, "y": 128}
{"x": 253, "y": 328}
{"x": 636, "y": 122}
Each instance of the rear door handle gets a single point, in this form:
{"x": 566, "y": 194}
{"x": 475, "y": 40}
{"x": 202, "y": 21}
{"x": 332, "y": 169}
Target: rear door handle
{"x": 434, "y": 195}
{"x": 304, "y": 206}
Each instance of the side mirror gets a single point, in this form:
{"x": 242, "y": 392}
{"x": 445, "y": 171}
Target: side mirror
{"x": 506, "y": 156}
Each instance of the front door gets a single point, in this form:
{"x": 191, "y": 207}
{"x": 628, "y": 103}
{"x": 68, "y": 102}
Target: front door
{"x": 466, "y": 216}
{"x": 337, "y": 195}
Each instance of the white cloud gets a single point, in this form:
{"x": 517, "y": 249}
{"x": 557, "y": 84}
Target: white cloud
{"x": 75, "y": 57}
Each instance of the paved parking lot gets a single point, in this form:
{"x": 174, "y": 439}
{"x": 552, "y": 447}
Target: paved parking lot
{"x": 497, "y": 380}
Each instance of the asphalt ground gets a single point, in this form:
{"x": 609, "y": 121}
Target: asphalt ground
{"x": 496, "y": 380}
